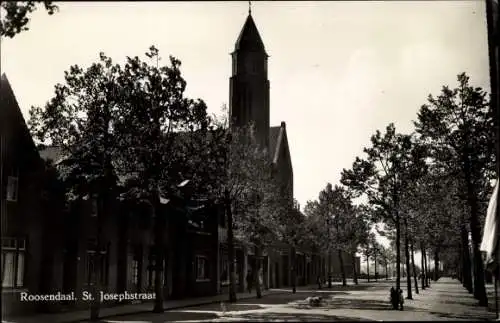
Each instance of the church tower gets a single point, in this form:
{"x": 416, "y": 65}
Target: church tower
{"x": 248, "y": 85}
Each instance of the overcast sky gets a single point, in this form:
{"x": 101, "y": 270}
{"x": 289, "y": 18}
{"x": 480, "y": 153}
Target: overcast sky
{"x": 338, "y": 70}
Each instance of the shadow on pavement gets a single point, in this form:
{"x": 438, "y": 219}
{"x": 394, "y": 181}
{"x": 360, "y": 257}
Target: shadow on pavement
{"x": 168, "y": 316}
{"x": 471, "y": 317}
{"x": 229, "y": 307}
{"x": 364, "y": 286}
{"x": 270, "y": 317}
{"x": 282, "y": 298}
{"x": 346, "y": 303}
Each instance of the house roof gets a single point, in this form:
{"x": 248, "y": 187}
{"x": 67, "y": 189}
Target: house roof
{"x": 13, "y": 127}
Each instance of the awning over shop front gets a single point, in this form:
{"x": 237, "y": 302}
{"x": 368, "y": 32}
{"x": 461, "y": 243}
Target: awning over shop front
{"x": 489, "y": 243}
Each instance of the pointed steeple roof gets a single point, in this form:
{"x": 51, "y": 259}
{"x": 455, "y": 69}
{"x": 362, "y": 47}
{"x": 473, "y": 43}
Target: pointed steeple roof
{"x": 249, "y": 38}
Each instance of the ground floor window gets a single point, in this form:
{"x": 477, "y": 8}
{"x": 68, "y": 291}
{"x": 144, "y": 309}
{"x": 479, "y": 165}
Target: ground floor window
{"x": 150, "y": 270}
{"x": 135, "y": 265}
{"x": 224, "y": 269}
{"x": 135, "y": 271}
{"x": 13, "y": 262}
{"x": 202, "y": 268}
{"x": 97, "y": 263}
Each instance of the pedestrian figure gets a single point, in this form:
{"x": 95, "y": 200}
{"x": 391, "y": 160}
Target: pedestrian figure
{"x": 318, "y": 281}
{"x": 401, "y": 299}
{"x": 249, "y": 281}
{"x": 394, "y": 298}
{"x": 223, "y": 307}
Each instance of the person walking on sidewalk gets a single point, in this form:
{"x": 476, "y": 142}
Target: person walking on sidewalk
{"x": 401, "y": 299}
{"x": 249, "y": 281}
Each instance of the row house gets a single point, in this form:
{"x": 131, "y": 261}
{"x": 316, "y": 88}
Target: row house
{"x": 50, "y": 245}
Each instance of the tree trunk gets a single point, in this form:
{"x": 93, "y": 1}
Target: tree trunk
{"x": 368, "y": 267}
{"x": 230, "y": 249}
{"x": 375, "y": 264}
{"x": 342, "y": 269}
{"x": 427, "y": 260}
{"x": 460, "y": 264}
{"x": 159, "y": 261}
{"x": 355, "y": 271}
{"x": 466, "y": 265}
{"x": 413, "y": 267}
{"x": 386, "y": 270}
{"x": 436, "y": 265}
{"x": 329, "y": 269}
{"x": 257, "y": 272}
{"x": 98, "y": 257}
{"x": 407, "y": 261}
{"x": 422, "y": 253}
{"x": 479, "y": 287}
{"x": 293, "y": 269}
{"x": 398, "y": 247}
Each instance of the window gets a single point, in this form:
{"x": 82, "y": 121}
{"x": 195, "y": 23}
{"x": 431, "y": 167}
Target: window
{"x": 224, "y": 269}
{"x": 151, "y": 277}
{"x": 151, "y": 269}
{"x": 13, "y": 265}
{"x": 135, "y": 265}
{"x": 201, "y": 268}
{"x": 93, "y": 210}
{"x": 12, "y": 186}
{"x": 97, "y": 263}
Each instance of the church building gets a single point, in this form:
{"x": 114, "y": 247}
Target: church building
{"x": 249, "y": 100}
{"x": 249, "y": 103}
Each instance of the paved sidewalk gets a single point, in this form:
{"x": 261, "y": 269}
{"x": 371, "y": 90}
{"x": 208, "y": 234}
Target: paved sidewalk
{"x": 446, "y": 300}
{"x": 83, "y": 315}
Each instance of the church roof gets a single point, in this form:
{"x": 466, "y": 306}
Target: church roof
{"x": 274, "y": 133}
{"x": 249, "y": 38}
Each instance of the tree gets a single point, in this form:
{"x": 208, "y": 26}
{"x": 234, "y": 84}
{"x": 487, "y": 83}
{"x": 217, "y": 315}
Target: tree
{"x": 335, "y": 209}
{"x": 357, "y": 234}
{"x": 16, "y": 15}
{"x": 386, "y": 258}
{"x": 316, "y": 234}
{"x": 293, "y": 231}
{"x": 78, "y": 120}
{"x": 156, "y": 123}
{"x": 261, "y": 214}
{"x": 376, "y": 251}
{"x": 391, "y": 164}
{"x": 459, "y": 124}
{"x": 238, "y": 174}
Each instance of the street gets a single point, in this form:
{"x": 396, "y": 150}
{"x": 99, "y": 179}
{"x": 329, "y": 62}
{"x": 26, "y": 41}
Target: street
{"x": 445, "y": 300}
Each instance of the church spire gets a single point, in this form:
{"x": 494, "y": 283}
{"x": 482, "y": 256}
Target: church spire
{"x": 249, "y": 38}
